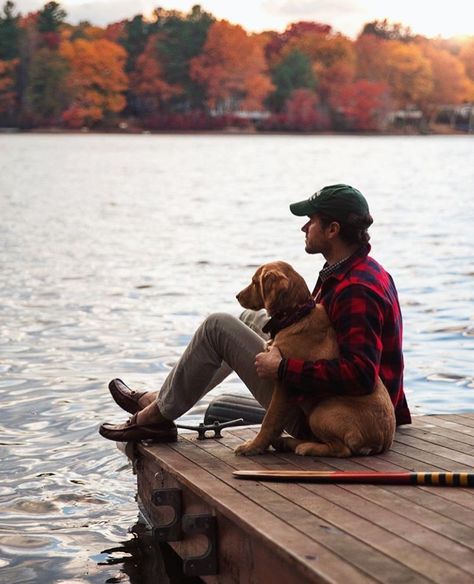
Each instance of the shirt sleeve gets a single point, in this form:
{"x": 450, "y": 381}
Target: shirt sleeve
{"x": 357, "y": 315}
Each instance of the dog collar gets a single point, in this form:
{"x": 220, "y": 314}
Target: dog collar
{"x": 285, "y": 318}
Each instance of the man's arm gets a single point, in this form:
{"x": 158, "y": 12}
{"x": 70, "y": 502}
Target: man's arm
{"x": 357, "y": 315}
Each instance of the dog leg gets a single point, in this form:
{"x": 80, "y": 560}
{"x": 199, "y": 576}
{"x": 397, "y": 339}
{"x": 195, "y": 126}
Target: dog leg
{"x": 272, "y": 425}
{"x": 336, "y": 449}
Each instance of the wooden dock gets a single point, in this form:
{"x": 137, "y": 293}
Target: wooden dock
{"x": 229, "y": 530}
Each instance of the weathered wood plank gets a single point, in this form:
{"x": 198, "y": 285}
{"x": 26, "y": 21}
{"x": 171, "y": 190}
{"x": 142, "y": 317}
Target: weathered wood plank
{"x": 446, "y": 431}
{"x": 460, "y": 419}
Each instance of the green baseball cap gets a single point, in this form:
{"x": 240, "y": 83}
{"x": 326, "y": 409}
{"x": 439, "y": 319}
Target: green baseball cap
{"x": 336, "y": 201}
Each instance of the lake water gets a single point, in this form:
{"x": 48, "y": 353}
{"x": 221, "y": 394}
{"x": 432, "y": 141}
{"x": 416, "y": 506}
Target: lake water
{"x": 113, "y": 250}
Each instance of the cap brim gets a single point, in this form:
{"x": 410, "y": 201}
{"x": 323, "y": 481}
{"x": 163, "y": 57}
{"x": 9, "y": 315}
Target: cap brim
{"x": 302, "y": 208}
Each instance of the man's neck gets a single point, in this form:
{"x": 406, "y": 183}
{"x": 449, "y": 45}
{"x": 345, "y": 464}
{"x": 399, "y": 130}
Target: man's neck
{"x": 339, "y": 253}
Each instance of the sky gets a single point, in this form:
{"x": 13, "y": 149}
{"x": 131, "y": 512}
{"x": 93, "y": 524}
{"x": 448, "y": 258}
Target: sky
{"x": 426, "y": 17}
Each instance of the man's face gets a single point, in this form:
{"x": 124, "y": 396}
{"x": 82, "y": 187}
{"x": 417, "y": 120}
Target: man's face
{"x": 317, "y": 238}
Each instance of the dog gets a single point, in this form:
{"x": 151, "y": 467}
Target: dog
{"x": 341, "y": 425}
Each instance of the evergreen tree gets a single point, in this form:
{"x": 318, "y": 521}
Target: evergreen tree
{"x": 51, "y": 17}
{"x": 134, "y": 39}
{"x": 9, "y": 33}
{"x": 180, "y": 39}
{"x": 47, "y": 95}
{"x": 292, "y": 72}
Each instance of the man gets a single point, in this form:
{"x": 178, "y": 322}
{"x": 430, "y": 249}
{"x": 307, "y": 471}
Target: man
{"x": 360, "y": 299}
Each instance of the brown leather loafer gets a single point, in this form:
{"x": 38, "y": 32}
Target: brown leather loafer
{"x": 125, "y": 397}
{"x": 132, "y": 432}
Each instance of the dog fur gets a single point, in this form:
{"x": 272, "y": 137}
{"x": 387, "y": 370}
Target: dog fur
{"x": 341, "y": 425}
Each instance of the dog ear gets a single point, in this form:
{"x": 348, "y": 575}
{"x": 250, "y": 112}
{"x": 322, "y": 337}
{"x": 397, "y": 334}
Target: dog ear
{"x": 274, "y": 287}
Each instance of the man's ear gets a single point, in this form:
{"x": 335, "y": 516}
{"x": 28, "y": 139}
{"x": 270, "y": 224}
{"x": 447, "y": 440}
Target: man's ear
{"x": 333, "y": 229}
{"x": 274, "y": 287}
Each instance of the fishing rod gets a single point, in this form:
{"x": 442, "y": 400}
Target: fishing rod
{"x": 448, "y": 479}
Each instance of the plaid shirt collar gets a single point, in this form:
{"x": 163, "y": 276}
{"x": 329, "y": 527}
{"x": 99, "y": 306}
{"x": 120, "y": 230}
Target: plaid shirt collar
{"x": 340, "y": 268}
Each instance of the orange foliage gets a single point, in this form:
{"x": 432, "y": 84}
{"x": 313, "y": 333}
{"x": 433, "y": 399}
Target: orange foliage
{"x": 97, "y": 79}
{"x": 409, "y": 73}
{"x": 8, "y": 71}
{"x": 371, "y": 52}
{"x": 401, "y": 65}
{"x": 147, "y": 79}
{"x": 466, "y": 56}
{"x": 232, "y": 68}
{"x": 450, "y": 82}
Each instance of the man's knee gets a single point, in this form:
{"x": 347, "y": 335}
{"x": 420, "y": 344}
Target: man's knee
{"x": 256, "y": 320}
{"x": 219, "y": 321}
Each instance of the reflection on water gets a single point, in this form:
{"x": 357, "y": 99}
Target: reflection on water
{"x": 114, "y": 248}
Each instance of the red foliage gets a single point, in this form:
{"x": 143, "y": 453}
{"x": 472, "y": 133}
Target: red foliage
{"x": 296, "y": 29}
{"x": 51, "y": 40}
{"x": 363, "y": 104}
{"x": 114, "y": 32}
{"x": 301, "y": 114}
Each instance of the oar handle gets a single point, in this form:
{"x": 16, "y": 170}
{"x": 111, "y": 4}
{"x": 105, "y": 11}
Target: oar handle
{"x": 451, "y": 479}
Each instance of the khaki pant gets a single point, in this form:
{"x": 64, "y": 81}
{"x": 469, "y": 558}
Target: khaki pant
{"x": 222, "y": 344}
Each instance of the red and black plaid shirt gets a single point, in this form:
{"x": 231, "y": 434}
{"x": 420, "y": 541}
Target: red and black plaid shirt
{"x": 362, "y": 304}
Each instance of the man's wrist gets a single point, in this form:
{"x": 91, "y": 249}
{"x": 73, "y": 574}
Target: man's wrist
{"x": 282, "y": 368}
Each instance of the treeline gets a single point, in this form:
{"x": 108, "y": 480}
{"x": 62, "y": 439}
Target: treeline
{"x": 192, "y": 71}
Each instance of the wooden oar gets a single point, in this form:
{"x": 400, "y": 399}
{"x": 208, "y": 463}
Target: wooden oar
{"x": 449, "y": 479}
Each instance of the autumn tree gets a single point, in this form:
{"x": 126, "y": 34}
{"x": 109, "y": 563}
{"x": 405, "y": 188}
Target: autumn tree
{"x": 301, "y": 112}
{"x": 409, "y": 73}
{"x": 450, "y": 82}
{"x": 361, "y": 105}
{"x": 8, "y": 95}
{"x": 96, "y": 80}
{"x": 401, "y": 65}
{"x": 149, "y": 91}
{"x": 232, "y": 68}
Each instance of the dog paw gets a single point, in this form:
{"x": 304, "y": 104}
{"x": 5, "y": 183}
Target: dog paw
{"x": 305, "y": 449}
{"x": 249, "y": 448}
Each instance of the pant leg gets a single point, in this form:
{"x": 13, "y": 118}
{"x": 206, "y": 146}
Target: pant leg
{"x": 220, "y": 344}
{"x": 221, "y": 338}
{"x": 255, "y": 319}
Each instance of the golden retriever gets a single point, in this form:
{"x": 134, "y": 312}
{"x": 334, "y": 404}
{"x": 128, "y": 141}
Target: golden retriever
{"x": 341, "y": 425}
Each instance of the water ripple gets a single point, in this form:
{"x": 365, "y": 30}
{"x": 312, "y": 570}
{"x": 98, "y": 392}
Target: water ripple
{"x": 107, "y": 271}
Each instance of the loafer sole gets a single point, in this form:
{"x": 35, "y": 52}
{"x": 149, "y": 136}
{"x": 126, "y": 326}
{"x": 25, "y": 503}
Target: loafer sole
{"x": 135, "y": 433}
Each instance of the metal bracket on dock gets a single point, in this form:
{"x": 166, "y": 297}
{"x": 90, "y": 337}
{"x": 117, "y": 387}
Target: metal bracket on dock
{"x": 206, "y": 564}
{"x": 168, "y": 498}
{"x": 215, "y": 427}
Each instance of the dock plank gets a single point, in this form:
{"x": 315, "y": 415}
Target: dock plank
{"x": 326, "y": 533}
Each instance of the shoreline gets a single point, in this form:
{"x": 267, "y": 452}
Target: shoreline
{"x": 230, "y": 132}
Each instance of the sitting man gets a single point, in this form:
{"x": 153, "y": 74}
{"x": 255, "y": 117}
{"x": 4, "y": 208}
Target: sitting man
{"x": 362, "y": 304}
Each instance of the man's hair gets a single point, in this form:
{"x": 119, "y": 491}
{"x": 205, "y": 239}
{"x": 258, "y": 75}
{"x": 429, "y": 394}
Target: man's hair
{"x": 353, "y": 230}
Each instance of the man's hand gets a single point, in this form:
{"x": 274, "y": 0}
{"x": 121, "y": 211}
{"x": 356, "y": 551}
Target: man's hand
{"x": 267, "y": 363}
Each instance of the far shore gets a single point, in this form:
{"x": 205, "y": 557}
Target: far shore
{"x": 434, "y": 131}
